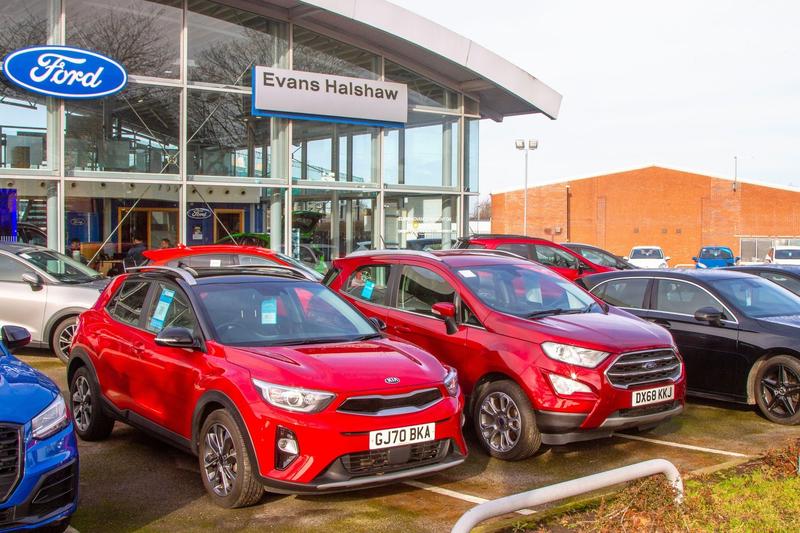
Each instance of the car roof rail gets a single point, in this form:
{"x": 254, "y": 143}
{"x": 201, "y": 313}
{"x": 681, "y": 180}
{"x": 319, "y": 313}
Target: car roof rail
{"x": 482, "y": 251}
{"x": 265, "y": 269}
{"x": 499, "y": 236}
{"x": 185, "y": 273}
{"x": 389, "y": 251}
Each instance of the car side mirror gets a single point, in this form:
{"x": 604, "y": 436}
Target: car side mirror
{"x": 14, "y": 337}
{"x": 695, "y": 259}
{"x": 626, "y": 258}
{"x": 667, "y": 258}
{"x": 33, "y": 280}
{"x": 712, "y": 315}
{"x": 177, "y": 338}
{"x": 377, "y": 322}
{"x": 737, "y": 259}
{"x": 447, "y": 311}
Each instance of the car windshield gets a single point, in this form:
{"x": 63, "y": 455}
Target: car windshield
{"x": 302, "y": 266}
{"x": 715, "y": 253}
{"x": 788, "y": 253}
{"x": 60, "y": 266}
{"x": 758, "y": 297}
{"x": 524, "y": 291}
{"x": 647, "y": 253}
{"x": 279, "y": 312}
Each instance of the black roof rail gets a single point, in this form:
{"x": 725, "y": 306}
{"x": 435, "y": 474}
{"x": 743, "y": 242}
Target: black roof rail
{"x": 265, "y": 269}
{"x": 500, "y": 236}
{"x": 185, "y": 273}
{"x": 481, "y": 251}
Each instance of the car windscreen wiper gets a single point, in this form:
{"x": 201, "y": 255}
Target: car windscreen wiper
{"x": 547, "y": 312}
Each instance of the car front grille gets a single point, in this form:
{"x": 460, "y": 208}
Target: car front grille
{"x": 645, "y": 410}
{"x": 639, "y": 368}
{"x": 10, "y": 459}
{"x": 375, "y": 462}
{"x": 56, "y": 491}
{"x": 391, "y": 405}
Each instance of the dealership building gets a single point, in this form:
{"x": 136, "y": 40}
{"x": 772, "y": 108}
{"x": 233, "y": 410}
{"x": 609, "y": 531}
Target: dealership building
{"x": 680, "y": 211}
{"x": 321, "y": 126}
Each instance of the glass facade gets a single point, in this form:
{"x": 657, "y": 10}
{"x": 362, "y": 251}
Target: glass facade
{"x": 177, "y": 157}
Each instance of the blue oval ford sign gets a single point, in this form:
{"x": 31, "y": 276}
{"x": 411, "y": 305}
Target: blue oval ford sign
{"x": 65, "y": 72}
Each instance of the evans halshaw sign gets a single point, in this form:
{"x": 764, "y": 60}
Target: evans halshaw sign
{"x": 309, "y": 95}
{"x": 65, "y": 72}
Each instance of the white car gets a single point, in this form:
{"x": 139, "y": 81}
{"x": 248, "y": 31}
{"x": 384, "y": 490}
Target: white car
{"x": 647, "y": 257}
{"x": 783, "y": 255}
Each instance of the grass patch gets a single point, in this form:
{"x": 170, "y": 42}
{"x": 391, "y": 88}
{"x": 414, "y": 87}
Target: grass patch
{"x": 763, "y": 495}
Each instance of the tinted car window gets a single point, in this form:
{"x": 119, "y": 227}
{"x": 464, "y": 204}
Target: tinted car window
{"x": 368, "y": 283}
{"x": 255, "y": 260}
{"x": 623, "y": 292}
{"x": 598, "y": 258}
{"x": 788, "y": 254}
{"x": 757, "y": 297}
{"x": 420, "y": 288}
{"x": 11, "y": 269}
{"x": 783, "y": 280}
{"x": 675, "y": 296}
{"x": 715, "y": 253}
{"x": 547, "y": 255}
{"x": 170, "y": 309}
{"x": 60, "y": 266}
{"x": 647, "y": 253}
{"x": 127, "y": 304}
{"x": 522, "y": 250}
{"x": 205, "y": 261}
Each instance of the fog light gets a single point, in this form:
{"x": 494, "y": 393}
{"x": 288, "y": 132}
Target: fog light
{"x": 567, "y": 386}
{"x": 286, "y": 448}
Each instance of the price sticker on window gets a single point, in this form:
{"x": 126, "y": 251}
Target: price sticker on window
{"x": 369, "y": 288}
{"x": 164, "y": 303}
{"x": 269, "y": 311}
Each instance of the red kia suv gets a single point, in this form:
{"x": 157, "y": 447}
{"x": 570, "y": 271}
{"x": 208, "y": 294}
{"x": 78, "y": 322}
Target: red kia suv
{"x": 224, "y": 255}
{"x": 272, "y": 380}
{"x": 541, "y": 359}
{"x": 566, "y": 262}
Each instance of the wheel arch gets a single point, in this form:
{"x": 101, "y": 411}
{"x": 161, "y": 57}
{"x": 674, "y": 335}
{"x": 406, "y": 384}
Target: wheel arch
{"x": 80, "y": 359}
{"x": 212, "y": 401}
{"x": 485, "y": 379}
{"x": 769, "y": 354}
{"x": 56, "y": 319}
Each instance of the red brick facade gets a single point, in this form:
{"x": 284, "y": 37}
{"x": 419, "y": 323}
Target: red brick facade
{"x": 679, "y": 211}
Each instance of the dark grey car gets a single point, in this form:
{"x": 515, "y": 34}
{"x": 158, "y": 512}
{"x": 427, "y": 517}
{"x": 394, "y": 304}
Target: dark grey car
{"x": 44, "y": 292}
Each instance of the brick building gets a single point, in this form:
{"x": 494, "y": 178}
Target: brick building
{"x": 679, "y": 211}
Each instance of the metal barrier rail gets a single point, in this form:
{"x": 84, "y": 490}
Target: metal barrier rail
{"x": 567, "y": 489}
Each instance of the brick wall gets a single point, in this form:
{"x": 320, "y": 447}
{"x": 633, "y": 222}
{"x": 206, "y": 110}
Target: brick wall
{"x": 679, "y": 211}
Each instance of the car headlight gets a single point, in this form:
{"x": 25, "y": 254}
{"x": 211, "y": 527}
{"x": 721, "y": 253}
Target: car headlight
{"x": 50, "y": 421}
{"x": 574, "y": 355}
{"x": 451, "y": 382}
{"x": 567, "y": 386}
{"x": 294, "y": 398}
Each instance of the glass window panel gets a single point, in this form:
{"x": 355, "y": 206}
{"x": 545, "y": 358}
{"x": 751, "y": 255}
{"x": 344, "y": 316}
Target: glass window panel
{"x": 28, "y": 211}
{"x": 317, "y": 53}
{"x": 424, "y": 153}
{"x": 326, "y": 151}
{"x": 624, "y": 292}
{"x": 682, "y": 298}
{"x": 471, "y": 152}
{"x": 421, "y": 91}
{"x": 135, "y": 130}
{"x": 223, "y": 139}
{"x": 170, "y": 310}
{"x": 420, "y": 288}
{"x": 369, "y": 283}
{"x": 420, "y": 222}
{"x": 225, "y": 43}
{"x": 127, "y": 304}
{"x": 11, "y": 270}
{"x": 142, "y": 35}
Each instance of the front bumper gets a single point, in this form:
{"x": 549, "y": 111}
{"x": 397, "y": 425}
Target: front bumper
{"x": 48, "y": 490}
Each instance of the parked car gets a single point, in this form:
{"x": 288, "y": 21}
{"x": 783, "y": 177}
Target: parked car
{"x": 787, "y": 276}
{"x": 45, "y": 291}
{"x": 715, "y": 257}
{"x": 598, "y": 256}
{"x": 647, "y": 257}
{"x": 566, "y": 262}
{"x": 272, "y": 380}
{"x": 224, "y": 255}
{"x": 783, "y": 255}
{"x": 38, "y": 449}
{"x": 739, "y": 334}
{"x": 541, "y": 360}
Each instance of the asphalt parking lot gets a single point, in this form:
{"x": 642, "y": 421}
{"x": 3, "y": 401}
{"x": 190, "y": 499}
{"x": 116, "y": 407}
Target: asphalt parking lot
{"x": 133, "y": 482}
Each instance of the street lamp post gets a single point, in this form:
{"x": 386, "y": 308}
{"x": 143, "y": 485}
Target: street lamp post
{"x": 532, "y": 144}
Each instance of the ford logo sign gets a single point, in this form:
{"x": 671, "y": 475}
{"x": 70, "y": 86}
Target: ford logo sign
{"x": 392, "y": 380}
{"x": 77, "y": 221}
{"x": 64, "y": 72}
{"x": 199, "y": 213}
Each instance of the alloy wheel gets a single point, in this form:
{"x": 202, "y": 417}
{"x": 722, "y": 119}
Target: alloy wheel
{"x": 780, "y": 391}
{"x": 500, "y": 422}
{"x": 82, "y": 403}
{"x": 65, "y": 338}
{"x": 219, "y": 460}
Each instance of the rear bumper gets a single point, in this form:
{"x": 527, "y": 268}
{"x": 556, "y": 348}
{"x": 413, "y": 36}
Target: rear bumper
{"x": 564, "y": 428}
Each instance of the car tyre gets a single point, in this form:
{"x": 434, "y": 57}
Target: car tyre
{"x": 58, "y": 527}
{"x": 225, "y": 463}
{"x": 62, "y": 338}
{"x": 90, "y": 421}
{"x": 778, "y": 389}
{"x": 504, "y": 421}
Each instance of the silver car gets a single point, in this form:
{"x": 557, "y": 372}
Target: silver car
{"x": 44, "y": 292}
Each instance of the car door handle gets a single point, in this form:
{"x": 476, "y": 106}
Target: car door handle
{"x": 402, "y": 329}
{"x": 138, "y": 348}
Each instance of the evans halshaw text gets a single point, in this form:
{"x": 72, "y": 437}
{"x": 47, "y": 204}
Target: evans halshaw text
{"x": 330, "y": 86}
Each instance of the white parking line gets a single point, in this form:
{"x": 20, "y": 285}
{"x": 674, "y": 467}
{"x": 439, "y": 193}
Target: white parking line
{"x": 457, "y": 495}
{"x": 685, "y": 446}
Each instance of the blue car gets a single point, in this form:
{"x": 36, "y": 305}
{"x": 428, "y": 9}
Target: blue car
{"x": 38, "y": 450}
{"x": 715, "y": 257}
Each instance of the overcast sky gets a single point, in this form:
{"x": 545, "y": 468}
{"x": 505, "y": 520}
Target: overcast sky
{"x": 686, "y": 84}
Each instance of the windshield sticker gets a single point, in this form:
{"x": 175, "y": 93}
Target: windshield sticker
{"x": 215, "y": 262}
{"x": 366, "y": 292}
{"x": 269, "y": 311}
{"x": 164, "y": 303}
{"x": 467, "y": 273}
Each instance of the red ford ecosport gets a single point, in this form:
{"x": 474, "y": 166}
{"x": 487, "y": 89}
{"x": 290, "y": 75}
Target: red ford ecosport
{"x": 272, "y": 380}
{"x": 541, "y": 360}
